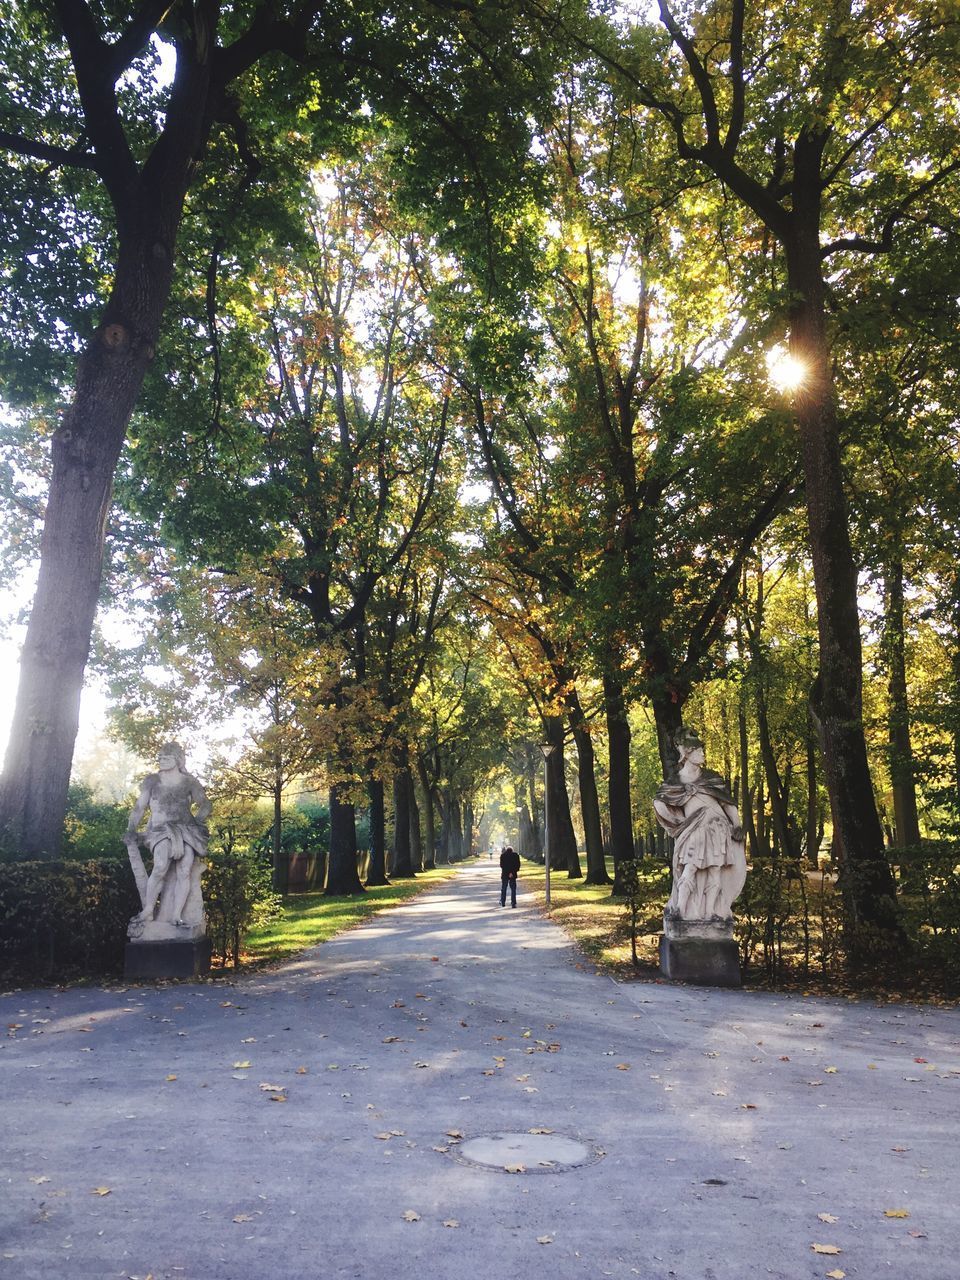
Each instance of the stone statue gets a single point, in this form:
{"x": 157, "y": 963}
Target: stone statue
{"x": 709, "y": 862}
{"x": 176, "y": 834}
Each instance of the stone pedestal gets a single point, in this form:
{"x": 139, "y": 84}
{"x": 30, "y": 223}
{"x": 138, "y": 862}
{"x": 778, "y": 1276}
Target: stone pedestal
{"x": 167, "y": 958}
{"x": 700, "y": 951}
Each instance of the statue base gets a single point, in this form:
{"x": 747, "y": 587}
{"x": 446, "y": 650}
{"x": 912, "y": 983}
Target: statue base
{"x": 700, "y": 951}
{"x": 175, "y": 958}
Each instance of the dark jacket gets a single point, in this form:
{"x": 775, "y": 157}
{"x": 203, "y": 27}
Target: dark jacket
{"x": 509, "y": 862}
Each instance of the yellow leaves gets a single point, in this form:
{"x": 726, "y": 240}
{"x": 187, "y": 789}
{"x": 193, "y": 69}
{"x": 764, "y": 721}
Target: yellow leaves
{"x": 242, "y": 1066}
{"x": 456, "y": 1134}
{"x": 170, "y": 1077}
{"x": 243, "y": 1217}
{"x": 301, "y": 1071}
{"x": 828, "y": 1217}
{"x": 836, "y": 1274}
{"x": 623, "y": 1066}
{"x": 825, "y": 1248}
{"x": 540, "y": 1129}
{"x": 896, "y": 1213}
{"x": 101, "y": 1191}
{"x": 830, "y": 1071}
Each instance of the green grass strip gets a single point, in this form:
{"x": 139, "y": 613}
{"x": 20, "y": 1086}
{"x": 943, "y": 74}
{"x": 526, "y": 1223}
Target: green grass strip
{"x": 311, "y": 918}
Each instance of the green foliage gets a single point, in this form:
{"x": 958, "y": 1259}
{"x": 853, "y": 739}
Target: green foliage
{"x": 93, "y": 828}
{"x": 60, "y": 920}
{"x": 238, "y": 896}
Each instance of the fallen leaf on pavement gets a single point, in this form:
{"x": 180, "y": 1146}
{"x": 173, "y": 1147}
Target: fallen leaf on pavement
{"x": 410, "y": 1215}
{"x": 515, "y": 1168}
{"x": 896, "y": 1213}
{"x": 301, "y": 1071}
{"x": 544, "y": 1239}
{"x": 40, "y": 1180}
{"x": 272, "y": 1088}
{"x": 171, "y": 1077}
{"x": 451, "y": 1222}
{"x": 623, "y": 1066}
{"x": 828, "y": 1217}
{"x": 241, "y": 1066}
{"x": 540, "y": 1129}
{"x": 243, "y": 1217}
{"x": 101, "y": 1191}
{"x": 836, "y": 1275}
{"x": 454, "y": 1133}
{"x": 825, "y": 1248}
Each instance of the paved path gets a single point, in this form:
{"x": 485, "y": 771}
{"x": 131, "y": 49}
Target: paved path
{"x": 729, "y": 1121}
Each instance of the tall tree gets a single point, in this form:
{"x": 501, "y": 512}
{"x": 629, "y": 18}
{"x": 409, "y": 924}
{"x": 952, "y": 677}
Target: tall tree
{"x": 77, "y": 97}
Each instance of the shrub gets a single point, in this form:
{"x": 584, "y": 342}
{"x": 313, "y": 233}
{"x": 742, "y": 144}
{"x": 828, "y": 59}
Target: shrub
{"x": 237, "y": 894}
{"x": 64, "y": 919}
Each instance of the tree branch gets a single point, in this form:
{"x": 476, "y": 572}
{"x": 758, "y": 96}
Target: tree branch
{"x": 72, "y": 157}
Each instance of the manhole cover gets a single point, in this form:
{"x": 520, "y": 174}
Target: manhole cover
{"x": 507, "y": 1152}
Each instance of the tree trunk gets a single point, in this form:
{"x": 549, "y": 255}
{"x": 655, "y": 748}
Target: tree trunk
{"x": 532, "y": 760}
{"x": 416, "y": 839}
{"x": 906, "y": 818}
{"x": 85, "y": 450}
{"x": 813, "y": 824}
{"x": 867, "y": 881}
{"x": 402, "y": 864}
{"x": 281, "y": 864}
{"x": 468, "y": 828}
{"x": 746, "y": 799}
{"x": 446, "y": 819}
{"x": 562, "y": 837}
{"x": 456, "y": 829}
{"x": 590, "y": 808}
{"x": 342, "y": 877}
{"x": 429, "y": 818}
{"x": 377, "y": 867}
{"x": 618, "y": 778}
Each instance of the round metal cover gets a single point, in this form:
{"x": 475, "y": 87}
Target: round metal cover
{"x": 508, "y": 1152}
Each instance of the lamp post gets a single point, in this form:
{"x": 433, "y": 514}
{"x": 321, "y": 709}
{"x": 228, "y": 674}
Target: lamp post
{"x": 546, "y": 750}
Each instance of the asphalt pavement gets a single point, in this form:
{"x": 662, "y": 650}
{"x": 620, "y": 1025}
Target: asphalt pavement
{"x": 342, "y": 1115}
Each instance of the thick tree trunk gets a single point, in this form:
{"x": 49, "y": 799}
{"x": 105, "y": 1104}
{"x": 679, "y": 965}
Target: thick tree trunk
{"x": 618, "y": 778}
{"x": 813, "y": 823}
{"x": 429, "y": 818}
{"x": 906, "y": 818}
{"x": 342, "y": 877}
{"x": 867, "y": 881}
{"x": 590, "y": 807}
{"x": 377, "y": 867}
{"x": 85, "y": 450}
{"x": 562, "y": 837}
{"x": 402, "y": 864}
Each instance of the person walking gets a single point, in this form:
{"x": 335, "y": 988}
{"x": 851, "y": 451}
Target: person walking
{"x": 509, "y": 870}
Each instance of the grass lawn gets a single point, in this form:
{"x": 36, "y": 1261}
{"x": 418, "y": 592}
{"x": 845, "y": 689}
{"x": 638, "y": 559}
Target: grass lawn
{"x": 599, "y": 924}
{"x": 309, "y": 918}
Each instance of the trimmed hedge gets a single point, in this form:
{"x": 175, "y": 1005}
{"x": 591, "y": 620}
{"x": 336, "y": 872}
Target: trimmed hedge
{"x": 64, "y": 919}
